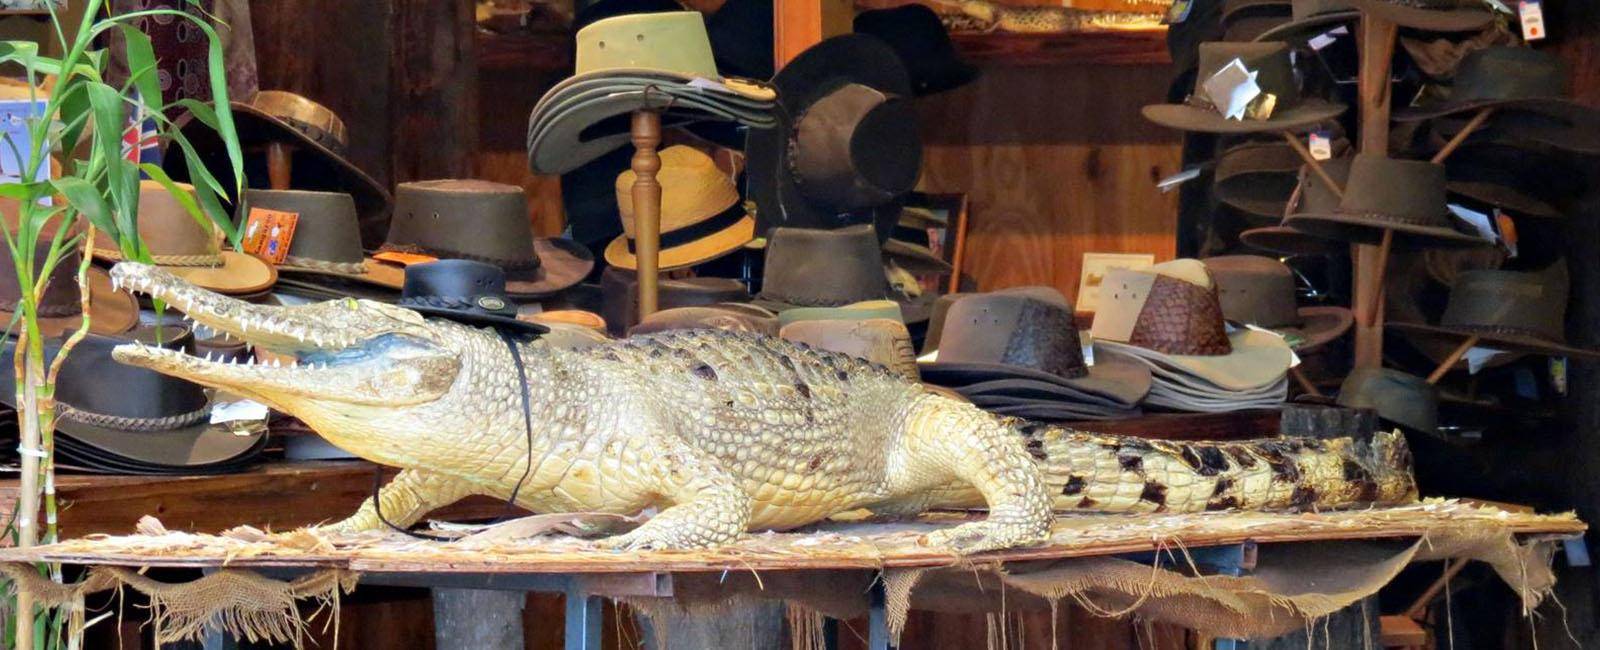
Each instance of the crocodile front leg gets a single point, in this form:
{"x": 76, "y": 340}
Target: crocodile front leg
{"x": 708, "y": 507}
{"x": 406, "y": 499}
{"x": 944, "y": 441}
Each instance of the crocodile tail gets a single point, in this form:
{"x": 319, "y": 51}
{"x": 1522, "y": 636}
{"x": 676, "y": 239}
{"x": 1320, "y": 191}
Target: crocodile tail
{"x": 1088, "y": 471}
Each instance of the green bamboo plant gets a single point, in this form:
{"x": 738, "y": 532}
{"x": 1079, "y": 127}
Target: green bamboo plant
{"x": 79, "y": 122}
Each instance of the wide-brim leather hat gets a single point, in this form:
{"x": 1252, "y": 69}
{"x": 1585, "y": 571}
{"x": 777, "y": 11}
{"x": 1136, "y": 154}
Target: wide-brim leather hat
{"x": 1274, "y": 74}
{"x": 1408, "y": 197}
{"x": 1169, "y": 315}
{"x": 1286, "y": 240}
{"x": 487, "y": 222}
{"x": 464, "y": 291}
{"x": 1260, "y": 291}
{"x": 702, "y": 215}
{"x": 135, "y": 418}
{"x": 723, "y": 316}
{"x": 847, "y": 148}
{"x": 1025, "y": 334}
{"x": 1397, "y": 397}
{"x": 1518, "y": 78}
{"x": 1431, "y": 15}
{"x": 619, "y": 292}
{"x": 319, "y": 144}
{"x": 1309, "y": 17}
{"x": 1417, "y": 289}
{"x": 919, "y": 37}
{"x": 660, "y": 61}
{"x": 60, "y": 309}
{"x": 327, "y": 237}
{"x": 1514, "y": 311}
{"x": 808, "y": 267}
{"x": 185, "y": 248}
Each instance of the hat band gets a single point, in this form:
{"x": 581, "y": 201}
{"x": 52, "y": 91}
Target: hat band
{"x": 1508, "y": 330}
{"x": 316, "y": 133}
{"x": 1395, "y": 218}
{"x": 697, "y": 231}
{"x": 127, "y": 423}
{"x": 308, "y": 264}
{"x": 457, "y": 303}
{"x": 504, "y": 264}
{"x": 200, "y": 259}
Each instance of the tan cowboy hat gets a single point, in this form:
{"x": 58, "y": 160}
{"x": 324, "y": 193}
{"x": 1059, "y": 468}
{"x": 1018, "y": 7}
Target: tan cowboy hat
{"x": 185, "y": 248}
{"x": 1170, "y": 316}
{"x": 327, "y": 237}
{"x": 702, "y": 217}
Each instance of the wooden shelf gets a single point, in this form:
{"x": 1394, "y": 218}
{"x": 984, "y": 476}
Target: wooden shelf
{"x": 1109, "y": 47}
{"x": 544, "y": 51}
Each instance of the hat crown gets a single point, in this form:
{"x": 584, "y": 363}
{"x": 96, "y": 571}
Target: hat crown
{"x": 1255, "y": 290}
{"x": 918, "y": 35}
{"x": 167, "y": 229}
{"x": 310, "y": 118}
{"x": 1170, "y": 308}
{"x": 1398, "y": 397}
{"x": 61, "y": 297}
{"x": 457, "y": 284}
{"x": 881, "y": 341}
{"x": 1315, "y": 195}
{"x": 619, "y": 290}
{"x": 464, "y": 219}
{"x": 693, "y": 189}
{"x": 1269, "y": 60}
{"x": 824, "y": 268}
{"x": 1495, "y": 73}
{"x": 1024, "y": 329}
{"x": 326, "y": 229}
{"x": 1403, "y": 191}
{"x": 1519, "y": 303}
{"x": 92, "y": 382}
{"x": 855, "y": 148}
{"x": 672, "y": 41}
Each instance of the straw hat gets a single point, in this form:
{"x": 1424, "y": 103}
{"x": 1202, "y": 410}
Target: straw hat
{"x": 183, "y": 247}
{"x": 702, "y": 217}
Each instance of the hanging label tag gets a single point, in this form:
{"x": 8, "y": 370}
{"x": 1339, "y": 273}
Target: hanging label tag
{"x": 1327, "y": 38}
{"x": 268, "y": 233}
{"x": 1479, "y": 221}
{"x": 1477, "y": 358}
{"x": 1558, "y": 374}
{"x": 1178, "y": 12}
{"x": 1321, "y": 145}
{"x": 1508, "y": 232}
{"x": 1532, "y": 16}
{"x": 1169, "y": 183}
{"x": 1086, "y": 343}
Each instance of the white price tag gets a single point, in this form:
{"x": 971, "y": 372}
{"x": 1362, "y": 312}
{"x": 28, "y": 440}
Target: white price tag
{"x": 240, "y": 411}
{"x": 1532, "y": 16}
{"x": 1479, "y": 221}
{"x": 1088, "y": 348}
{"x": 1167, "y": 184}
{"x": 1327, "y": 38}
{"x": 1321, "y": 145}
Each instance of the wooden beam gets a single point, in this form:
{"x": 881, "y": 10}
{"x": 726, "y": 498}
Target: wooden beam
{"x": 799, "y": 24}
{"x": 433, "y": 89}
{"x": 1377, "y": 40}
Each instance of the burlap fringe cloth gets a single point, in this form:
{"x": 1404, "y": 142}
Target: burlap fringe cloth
{"x": 240, "y": 603}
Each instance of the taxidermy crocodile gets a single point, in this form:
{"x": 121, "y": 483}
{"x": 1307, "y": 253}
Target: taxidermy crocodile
{"x": 723, "y": 432}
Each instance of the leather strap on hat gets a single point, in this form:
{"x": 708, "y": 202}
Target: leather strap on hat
{"x": 196, "y": 260}
{"x": 126, "y": 423}
{"x": 308, "y": 264}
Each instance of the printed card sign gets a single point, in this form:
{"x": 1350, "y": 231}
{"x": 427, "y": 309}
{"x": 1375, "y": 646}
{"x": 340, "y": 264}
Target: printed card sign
{"x": 268, "y": 233}
{"x": 1321, "y": 145}
{"x": 1122, "y": 296}
{"x": 1531, "y": 13}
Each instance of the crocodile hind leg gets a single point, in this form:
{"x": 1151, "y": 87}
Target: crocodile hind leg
{"x": 708, "y": 507}
{"x": 406, "y": 499}
{"x": 943, "y": 443}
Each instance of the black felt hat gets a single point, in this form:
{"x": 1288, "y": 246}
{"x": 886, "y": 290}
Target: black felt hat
{"x": 917, "y": 34}
{"x": 464, "y": 291}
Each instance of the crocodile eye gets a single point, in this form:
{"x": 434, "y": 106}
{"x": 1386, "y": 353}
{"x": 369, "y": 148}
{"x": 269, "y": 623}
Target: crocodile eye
{"x": 351, "y": 304}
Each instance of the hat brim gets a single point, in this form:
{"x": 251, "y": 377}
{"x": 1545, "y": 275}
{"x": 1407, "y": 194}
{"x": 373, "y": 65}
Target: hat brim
{"x": 195, "y": 445}
{"x": 1507, "y": 198}
{"x": 1305, "y": 28}
{"x": 480, "y": 320}
{"x": 562, "y": 264}
{"x": 376, "y": 273}
{"x": 1258, "y": 359}
{"x": 1029, "y": 389}
{"x": 110, "y": 311}
{"x": 1123, "y": 383}
{"x": 568, "y": 133}
{"x": 1365, "y": 229}
{"x": 1047, "y": 412}
{"x": 699, "y": 251}
{"x": 330, "y": 287}
{"x": 1433, "y": 20}
{"x": 1499, "y": 340}
{"x": 915, "y": 258}
{"x": 1558, "y": 107}
{"x": 1319, "y": 326}
{"x": 1285, "y": 240}
{"x": 1308, "y": 113}
{"x": 84, "y": 457}
{"x": 239, "y": 274}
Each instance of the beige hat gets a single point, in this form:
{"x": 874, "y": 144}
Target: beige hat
{"x": 1170, "y": 315}
{"x": 183, "y": 247}
{"x": 702, "y": 217}
{"x": 879, "y": 340}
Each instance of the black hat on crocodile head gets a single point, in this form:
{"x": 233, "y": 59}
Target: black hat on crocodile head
{"x": 466, "y": 292}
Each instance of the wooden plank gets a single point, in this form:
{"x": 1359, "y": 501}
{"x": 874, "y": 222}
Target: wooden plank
{"x": 1107, "y": 47}
{"x": 275, "y": 496}
{"x": 799, "y": 24}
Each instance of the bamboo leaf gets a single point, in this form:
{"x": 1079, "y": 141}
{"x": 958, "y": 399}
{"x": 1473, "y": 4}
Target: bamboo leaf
{"x": 84, "y": 197}
{"x": 185, "y": 198}
{"x": 142, "y": 64}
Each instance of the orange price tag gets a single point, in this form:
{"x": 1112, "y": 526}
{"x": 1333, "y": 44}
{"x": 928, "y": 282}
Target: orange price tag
{"x": 1508, "y": 231}
{"x": 403, "y": 259}
{"x": 268, "y": 233}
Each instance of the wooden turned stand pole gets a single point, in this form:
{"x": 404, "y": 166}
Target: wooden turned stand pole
{"x": 1377, "y": 40}
{"x": 278, "y": 165}
{"x": 647, "y": 207}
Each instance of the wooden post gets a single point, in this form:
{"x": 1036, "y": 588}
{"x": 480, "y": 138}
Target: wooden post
{"x": 279, "y": 155}
{"x": 1450, "y": 361}
{"x": 647, "y": 207}
{"x": 1377, "y": 40}
{"x": 799, "y": 24}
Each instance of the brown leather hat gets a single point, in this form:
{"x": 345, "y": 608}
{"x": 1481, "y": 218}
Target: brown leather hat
{"x": 1309, "y": 16}
{"x": 722, "y": 316}
{"x": 61, "y": 307}
{"x": 1519, "y": 78}
{"x": 327, "y": 237}
{"x": 1515, "y": 311}
{"x": 1398, "y": 397}
{"x": 1258, "y": 177}
{"x": 1260, "y": 291}
{"x": 485, "y": 222}
{"x": 1274, "y": 74}
{"x": 822, "y": 268}
{"x": 1311, "y": 196}
{"x": 1026, "y": 333}
{"x": 1405, "y": 196}
{"x": 619, "y": 292}
{"x": 181, "y": 246}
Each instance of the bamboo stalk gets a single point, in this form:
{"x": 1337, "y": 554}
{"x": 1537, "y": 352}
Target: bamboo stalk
{"x": 1313, "y": 163}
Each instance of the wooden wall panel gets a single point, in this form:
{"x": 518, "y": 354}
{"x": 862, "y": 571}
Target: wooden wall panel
{"x": 1056, "y": 162}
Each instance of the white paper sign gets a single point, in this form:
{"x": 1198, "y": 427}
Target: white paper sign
{"x": 1232, "y": 89}
{"x": 1479, "y": 221}
{"x": 243, "y": 410}
{"x": 1477, "y": 358}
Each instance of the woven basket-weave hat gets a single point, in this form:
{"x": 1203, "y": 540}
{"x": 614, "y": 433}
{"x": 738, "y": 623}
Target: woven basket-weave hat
{"x": 180, "y": 245}
{"x": 702, "y": 217}
{"x": 1170, "y": 315}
